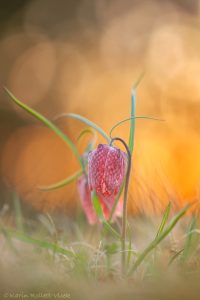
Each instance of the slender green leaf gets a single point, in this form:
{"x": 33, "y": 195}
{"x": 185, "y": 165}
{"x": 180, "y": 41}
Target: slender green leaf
{"x": 18, "y": 213}
{"x": 128, "y": 119}
{"x": 111, "y": 230}
{"x": 99, "y": 212}
{"x": 115, "y": 203}
{"x": 164, "y": 220}
{"x": 87, "y": 131}
{"x": 97, "y": 206}
{"x": 40, "y": 243}
{"x": 138, "y": 80}
{"x": 87, "y": 122}
{"x": 156, "y": 241}
{"x": 188, "y": 242}
{"x": 48, "y": 123}
{"x": 92, "y": 142}
{"x": 61, "y": 183}
{"x": 132, "y": 125}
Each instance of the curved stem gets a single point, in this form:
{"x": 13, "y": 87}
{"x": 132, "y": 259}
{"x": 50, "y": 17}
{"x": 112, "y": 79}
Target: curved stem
{"x": 92, "y": 132}
{"x": 124, "y": 219}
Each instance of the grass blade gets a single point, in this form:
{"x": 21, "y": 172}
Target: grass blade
{"x": 88, "y": 131}
{"x": 99, "y": 212}
{"x": 132, "y": 125}
{"x": 43, "y": 244}
{"x": 61, "y": 183}
{"x": 164, "y": 220}
{"x": 189, "y": 240}
{"x": 138, "y": 80}
{"x": 87, "y": 122}
{"x": 115, "y": 203}
{"x": 156, "y": 241}
{"x": 97, "y": 206}
{"x": 18, "y": 213}
{"x": 92, "y": 142}
{"x": 111, "y": 230}
{"x": 47, "y": 122}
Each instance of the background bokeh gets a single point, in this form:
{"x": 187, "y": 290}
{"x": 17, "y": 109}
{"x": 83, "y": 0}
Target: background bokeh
{"x": 83, "y": 57}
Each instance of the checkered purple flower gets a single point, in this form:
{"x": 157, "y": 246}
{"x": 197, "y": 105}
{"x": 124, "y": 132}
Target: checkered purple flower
{"x": 106, "y": 171}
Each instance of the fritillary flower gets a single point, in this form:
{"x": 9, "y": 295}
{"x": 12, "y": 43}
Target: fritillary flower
{"x": 106, "y": 171}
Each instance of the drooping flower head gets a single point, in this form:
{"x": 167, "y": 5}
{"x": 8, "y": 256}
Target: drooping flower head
{"x": 106, "y": 170}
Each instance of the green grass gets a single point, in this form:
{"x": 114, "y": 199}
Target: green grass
{"x": 66, "y": 253}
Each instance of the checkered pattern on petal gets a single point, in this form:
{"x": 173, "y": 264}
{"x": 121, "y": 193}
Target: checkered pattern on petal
{"x": 106, "y": 170}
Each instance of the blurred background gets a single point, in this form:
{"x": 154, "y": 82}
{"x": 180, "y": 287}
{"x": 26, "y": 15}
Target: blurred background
{"x": 84, "y": 56}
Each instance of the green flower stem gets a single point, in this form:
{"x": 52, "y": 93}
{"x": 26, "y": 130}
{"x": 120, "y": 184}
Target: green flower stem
{"x": 124, "y": 218}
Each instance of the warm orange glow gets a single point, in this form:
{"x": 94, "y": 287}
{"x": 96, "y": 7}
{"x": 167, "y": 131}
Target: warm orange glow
{"x": 33, "y": 157}
{"x": 90, "y": 71}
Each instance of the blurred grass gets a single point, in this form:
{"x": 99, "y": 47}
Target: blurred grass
{"x": 55, "y": 254}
